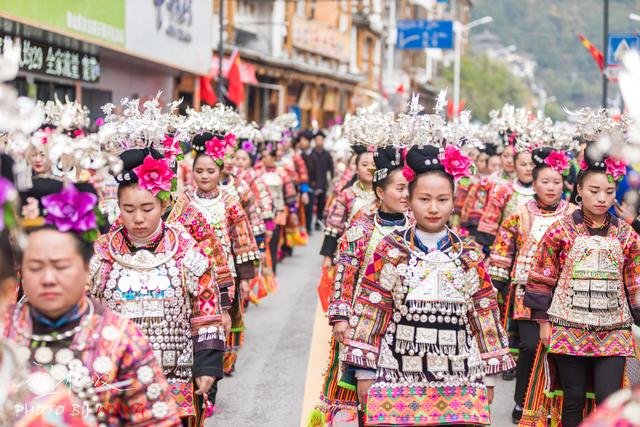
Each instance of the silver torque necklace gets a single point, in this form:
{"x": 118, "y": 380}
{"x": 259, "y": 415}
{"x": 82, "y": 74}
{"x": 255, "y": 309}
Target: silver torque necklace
{"x": 51, "y": 338}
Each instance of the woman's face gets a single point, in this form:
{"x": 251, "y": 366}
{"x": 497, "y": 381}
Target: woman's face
{"x": 206, "y": 173}
{"x": 482, "y": 163}
{"x": 242, "y": 160}
{"x": 598, "y": 194}
{"x": 267, "y": 159}
{"x": 432, "y": 202}
{"x": 507, "y": 159}
{"x": 494, "y": 164}
{"x": 394, "y": 198}
{"x": 548, "y": 186}
{"x": 39, "y": 160}
{"x": 365, "y": 165}
{"x": 141, "y": 211}
{"x": 524, "y": 167}
{"x": 229, "y": 161}
{"x": 54, "y": 274}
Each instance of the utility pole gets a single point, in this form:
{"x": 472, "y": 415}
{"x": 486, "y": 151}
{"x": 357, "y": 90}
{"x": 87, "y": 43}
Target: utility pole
{"x": 605, "y": 38}
{"x": 220, "y": 54}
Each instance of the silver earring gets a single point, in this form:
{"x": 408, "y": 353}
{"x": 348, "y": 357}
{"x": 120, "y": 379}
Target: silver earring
{"x": 578, "y": 201}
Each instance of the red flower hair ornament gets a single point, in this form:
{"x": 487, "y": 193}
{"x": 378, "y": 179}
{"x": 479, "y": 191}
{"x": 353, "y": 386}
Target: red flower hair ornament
{"x": 156, "y": 176}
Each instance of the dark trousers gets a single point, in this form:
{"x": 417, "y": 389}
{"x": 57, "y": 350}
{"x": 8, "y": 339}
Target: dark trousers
{"x": 607, "y": 375}
{"x": 529, "y": 333}
{"x": 308, "y": 212}
{"x": 321, "y": 199}
{"x": 273, "y": 247}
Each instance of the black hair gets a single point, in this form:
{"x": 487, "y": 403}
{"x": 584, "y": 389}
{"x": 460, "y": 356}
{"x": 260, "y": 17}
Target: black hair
{"x": 537, "y": 169}
{"x": 384, "y": 183}
{"x": 349, "y": 183}
{"x": 123, "y": 185}
{"x": 438, "y": 172}
{"x": 8, "y": 256}
{"x": 515, "y": 158}
{"x": 584, "y": 173}
{"x": 201, "y": 154}
{"x": 83, "y": 247}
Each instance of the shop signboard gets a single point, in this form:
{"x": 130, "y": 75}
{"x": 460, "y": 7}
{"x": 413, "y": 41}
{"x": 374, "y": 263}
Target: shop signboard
{"x": 175, "y": 33}
{"x": 319, "y": 38}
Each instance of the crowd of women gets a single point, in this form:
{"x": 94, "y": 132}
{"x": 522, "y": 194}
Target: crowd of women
{"x": 452, "y": 254}
{"x": 130, "y": 254}
{"x": 459, "y": 252}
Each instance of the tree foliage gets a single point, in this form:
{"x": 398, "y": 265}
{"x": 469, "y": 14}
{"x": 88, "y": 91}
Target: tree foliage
{"x": 486, "y": 85}
{"x": 546, "y": 31}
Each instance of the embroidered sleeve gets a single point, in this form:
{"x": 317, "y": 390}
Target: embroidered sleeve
{"x": 243, "y": 242}
{"x": 252, "y": 208}
{"x": 301, "y": 169}
{"x": 348, "y": 264}
{"x": 289, "y": 190}
{"x": 372, "y": 309}
{"x": 147, "y": 397}
{"x": 461, "y": 195}
{"x": 485, "y": 322}
{"x": 492, "y": 214}
{"x": 336, "y": 215}
{"x": 503, "y": 251}
{"x": 266, "y": 198}
{"x": 632, "y": 274}
{"x": 543, "y": 277}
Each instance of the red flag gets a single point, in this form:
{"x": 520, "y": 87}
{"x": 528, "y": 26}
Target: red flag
{"x": 207, "y": 93}
{"x": 597, "y": 55}
{"x": 235, "y": 93}
{"x": 450, "y": 113}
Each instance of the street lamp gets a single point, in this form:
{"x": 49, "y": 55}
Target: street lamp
{"x": 634, "y": 17}
{"x": 459, "y": 30}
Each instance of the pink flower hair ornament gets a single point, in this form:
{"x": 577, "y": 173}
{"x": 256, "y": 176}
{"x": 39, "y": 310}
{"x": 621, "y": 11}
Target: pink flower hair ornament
{"x": 616, "y": 169}
{"x": 156, "y": 176}
{"x": 216, "y": 149}
{"x": 407, "y": 172}
{"x": 559, "y": 162}
{"x": 171, "y": 148}
{"x": 456, "y": 163}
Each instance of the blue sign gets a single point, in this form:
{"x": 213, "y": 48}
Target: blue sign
{"x": 618, "y": 44}
{"x": 422, "y": 34}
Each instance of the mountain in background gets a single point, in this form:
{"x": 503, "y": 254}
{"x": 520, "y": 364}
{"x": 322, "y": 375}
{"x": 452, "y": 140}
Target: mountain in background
{"x": 545, "y": 31}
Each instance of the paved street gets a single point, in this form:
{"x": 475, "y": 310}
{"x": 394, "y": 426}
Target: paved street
{"x": 279, "y": 370}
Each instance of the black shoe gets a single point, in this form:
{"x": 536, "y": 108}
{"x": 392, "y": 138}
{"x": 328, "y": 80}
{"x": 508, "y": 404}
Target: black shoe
{"x": 509, "y": 375}
{"x": 317, "y": 227}
{"x": 516, "y": 415}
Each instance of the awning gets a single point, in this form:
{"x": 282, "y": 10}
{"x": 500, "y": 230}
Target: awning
{"x": 247, "y": 71}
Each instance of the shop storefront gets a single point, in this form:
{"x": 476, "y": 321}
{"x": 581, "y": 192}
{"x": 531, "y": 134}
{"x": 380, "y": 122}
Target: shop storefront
{"x": 107, "y": 50}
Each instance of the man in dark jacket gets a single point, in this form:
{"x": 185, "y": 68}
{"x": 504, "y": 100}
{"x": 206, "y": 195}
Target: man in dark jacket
{"x": 324, "y": 165}
{"x": 303, "y": 148}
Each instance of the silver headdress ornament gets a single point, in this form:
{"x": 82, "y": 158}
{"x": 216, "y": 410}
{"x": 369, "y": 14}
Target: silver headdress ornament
{"x": 606, "y": 133}
{"x": 370, "y": 127}
{"x": 511, "y": 124}
{"x": 417, "y": 128}
{"x": 219, "y": 119}
{"x": 286, "y": 120}
{"x": 65, "y": 116}
{"x": 137, "y": 127}
{"x": 19, "y": 116}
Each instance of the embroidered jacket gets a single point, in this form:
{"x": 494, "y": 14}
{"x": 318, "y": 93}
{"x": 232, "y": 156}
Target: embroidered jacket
{"x": 340, "y": 213}
{"x": 515, "y": 247}
{"x": 428, "y": 323}
{"x": 475, "y": 201}
{"x": 227, "y": 218}
{"x": 260, "y": 191}
{"x": 205, "y": 235}
{"x": 239, "y": 188}
{"x": 297, "y": 169}
{"x": 355, "y": 249}
{"x": 588, "y": 286}
{"x": 282, "y": 191}
{"x": 502, "y": 201}
{"x": 110, "y": 368}
{"x": 171, "y": 295}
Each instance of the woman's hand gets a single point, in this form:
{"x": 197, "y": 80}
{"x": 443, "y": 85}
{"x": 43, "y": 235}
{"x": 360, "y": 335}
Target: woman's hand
{"x": 363, "y": 390}
{"x": 623, "y": 211}
{"x": 340, "y": 330}
{"x": 226, "y": 322}
{"x": 490, "y": 394}
{"x": 31, "y": 209}
{"x": 326, "y": 262}
{"x": 204, "y": 383}
{"x": 545, "y": 333}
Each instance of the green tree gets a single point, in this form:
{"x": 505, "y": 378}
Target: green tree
{"x": 486, "y": 85}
